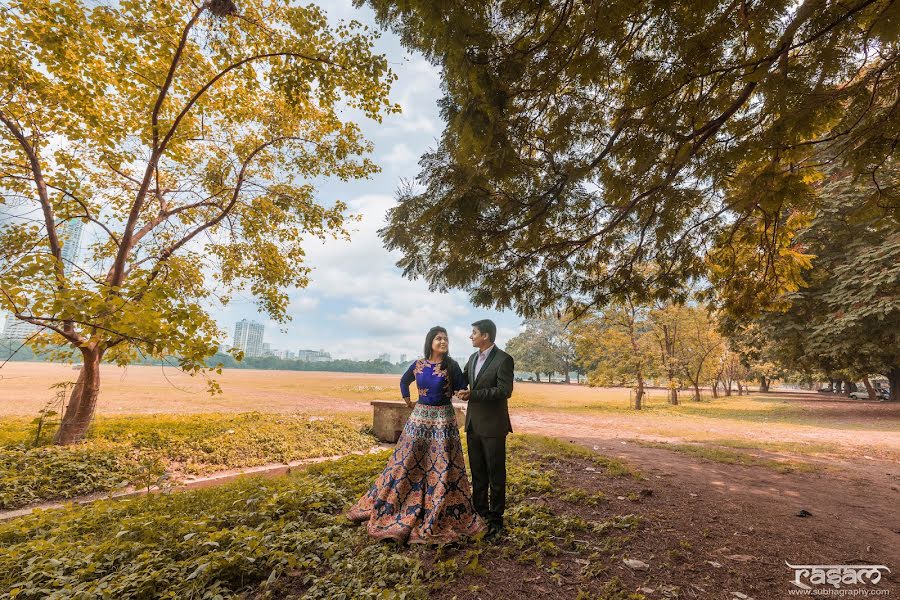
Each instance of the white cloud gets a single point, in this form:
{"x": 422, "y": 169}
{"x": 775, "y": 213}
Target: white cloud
{"x": 358, "y": 305}
{"x": 400, "y": 156}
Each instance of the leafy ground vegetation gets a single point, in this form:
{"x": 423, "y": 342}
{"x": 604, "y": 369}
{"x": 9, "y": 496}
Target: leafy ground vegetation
{"x": 147, "y": 449}
{"x": 580, "y": 524}
{"x": 283, "y": 537}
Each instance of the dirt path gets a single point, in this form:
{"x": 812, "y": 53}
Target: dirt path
{"x": 875, "y": 442}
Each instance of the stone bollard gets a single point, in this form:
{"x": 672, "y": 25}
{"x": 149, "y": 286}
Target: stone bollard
{"x": 389, "y": 417}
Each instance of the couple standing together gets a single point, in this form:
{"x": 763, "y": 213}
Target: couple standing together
{"x": 423, "y": 494}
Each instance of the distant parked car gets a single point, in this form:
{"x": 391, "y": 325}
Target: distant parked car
{"x": 880, "y": 394}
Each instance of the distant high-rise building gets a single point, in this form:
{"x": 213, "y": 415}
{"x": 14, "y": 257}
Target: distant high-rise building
{"x": 266, "y": 349}
{"x": 16, "y": 329}
{"x": 70, "y": 235}
{"x": 313, "y": 356}
{"x": 402, "y": 358}
{"x": 248, "y": 336}
{"x": 384, "y": 357}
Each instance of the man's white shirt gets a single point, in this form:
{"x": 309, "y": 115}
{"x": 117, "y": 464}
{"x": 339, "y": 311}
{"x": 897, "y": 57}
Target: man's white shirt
{"x": 482, "y": 357}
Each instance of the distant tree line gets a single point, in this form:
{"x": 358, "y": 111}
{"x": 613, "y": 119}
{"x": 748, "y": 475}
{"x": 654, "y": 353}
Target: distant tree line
{"x": 11, "y": 350}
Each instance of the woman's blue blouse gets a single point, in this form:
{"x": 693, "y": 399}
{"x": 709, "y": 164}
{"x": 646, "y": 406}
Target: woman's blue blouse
{"x": 432, "y": 382}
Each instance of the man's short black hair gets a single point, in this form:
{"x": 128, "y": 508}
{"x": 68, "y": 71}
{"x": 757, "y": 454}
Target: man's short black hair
{"x": 487, "y": 326}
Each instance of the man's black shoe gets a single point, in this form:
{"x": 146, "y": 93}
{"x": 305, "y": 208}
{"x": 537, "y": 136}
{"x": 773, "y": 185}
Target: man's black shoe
{"x": 493, "y": 532}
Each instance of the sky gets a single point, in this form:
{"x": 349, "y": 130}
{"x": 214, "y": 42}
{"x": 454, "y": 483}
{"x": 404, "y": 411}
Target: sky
{"x": 358, "y": 304}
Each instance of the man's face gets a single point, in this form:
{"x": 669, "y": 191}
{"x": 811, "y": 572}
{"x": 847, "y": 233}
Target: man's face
{"x": 478, "y": 339}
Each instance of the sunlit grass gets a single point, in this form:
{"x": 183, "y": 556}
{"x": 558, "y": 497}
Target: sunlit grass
{"x": 734, "y": 457}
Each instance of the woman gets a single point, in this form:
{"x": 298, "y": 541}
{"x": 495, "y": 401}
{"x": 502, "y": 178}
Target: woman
{"x": 423, "y": 494}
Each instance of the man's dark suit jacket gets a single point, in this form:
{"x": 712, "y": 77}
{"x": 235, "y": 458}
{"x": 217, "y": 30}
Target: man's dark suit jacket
{"x": 488, "y": 412}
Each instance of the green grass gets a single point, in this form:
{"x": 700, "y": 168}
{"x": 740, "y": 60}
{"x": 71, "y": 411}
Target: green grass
{"x": 804, "y": 448}
{"x": 732, "y": 457}
{"x": 281, "y": 535}
{"x": 141, "y": 449}
{"x": 537, "y": 445}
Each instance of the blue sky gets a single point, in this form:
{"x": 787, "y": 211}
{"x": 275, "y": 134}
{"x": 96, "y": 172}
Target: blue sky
{"x": 358, "y": 304}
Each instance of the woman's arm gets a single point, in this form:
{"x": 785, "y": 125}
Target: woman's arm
{"x": 457, "y": 378}
{"x": 405, "y": 380}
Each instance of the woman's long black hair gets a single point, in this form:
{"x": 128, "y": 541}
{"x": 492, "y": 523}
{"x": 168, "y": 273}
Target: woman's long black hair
{"x": 448, "y": 365}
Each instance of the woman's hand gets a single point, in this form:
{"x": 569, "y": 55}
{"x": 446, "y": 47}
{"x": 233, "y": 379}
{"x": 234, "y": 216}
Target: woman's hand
{"x": 409, "y": 402}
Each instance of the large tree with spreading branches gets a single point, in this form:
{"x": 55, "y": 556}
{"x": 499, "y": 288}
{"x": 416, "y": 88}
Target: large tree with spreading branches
{"x": 186, "y": 137}
{"x": 584, "y": 140}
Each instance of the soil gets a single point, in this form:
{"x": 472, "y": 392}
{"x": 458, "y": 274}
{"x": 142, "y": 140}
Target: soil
{"x": 711, "y": 530}
{"x": 707, "y": 531}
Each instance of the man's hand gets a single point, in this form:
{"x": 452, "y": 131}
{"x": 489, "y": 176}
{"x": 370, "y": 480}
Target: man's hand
{"x": 464, "y": 395}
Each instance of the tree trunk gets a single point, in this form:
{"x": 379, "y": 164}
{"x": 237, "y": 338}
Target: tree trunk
{"x": 740, "y": 388}
{"x": 873, "y": 396}
{"x": 851, "y": 387}
{"x": 568, "y": 378}
{"x": 715, "y": 388}
{"x": 696, "y": 391}
{"x": 728, "y": 387}
{"x": 838, "y": 386}
{"x": 80, "y": 409}
{"x": 673, "y": 394}
{"x": 764, "y": 384}
{"x": 894, "y": 381}
{"x": 639, "y": 393}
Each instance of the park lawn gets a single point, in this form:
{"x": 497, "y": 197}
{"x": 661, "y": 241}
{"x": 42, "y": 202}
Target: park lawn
{"x": 287, "y": 535}
{"x": 147, "y": 449}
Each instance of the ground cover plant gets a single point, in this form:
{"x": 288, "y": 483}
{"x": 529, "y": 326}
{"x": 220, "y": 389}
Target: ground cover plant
{"x": 144, "y": 449}
{"x": 281, "y": 536}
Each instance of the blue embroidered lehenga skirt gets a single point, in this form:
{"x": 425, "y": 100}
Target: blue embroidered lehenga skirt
{"x": 423, "y": 494}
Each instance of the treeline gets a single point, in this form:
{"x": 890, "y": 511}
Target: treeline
{"x": 279, "y": 364}
{"x": 676, "y": 346}
{"x": 14, "y": 351}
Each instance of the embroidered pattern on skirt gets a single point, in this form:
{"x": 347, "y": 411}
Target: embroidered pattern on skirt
{"x": 423, "y": 495}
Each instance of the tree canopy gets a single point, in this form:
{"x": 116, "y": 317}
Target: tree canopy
{"x": 586, "y": 139}
{"x": 845, "y": 319}
{"x": 186, "y": 137}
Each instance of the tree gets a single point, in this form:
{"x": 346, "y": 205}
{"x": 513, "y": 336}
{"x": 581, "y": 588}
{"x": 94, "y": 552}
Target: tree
{"x": 665, "y": 322}
{"x": 526, "y": 352}
{"x": 616, "y": 348}
{"x": 585, "y": 138}
{"x": 698, "y": 344}
{"x": 543, "y": 347}
{"x": 185, "y": 136}
{"x": 845, "y": 319}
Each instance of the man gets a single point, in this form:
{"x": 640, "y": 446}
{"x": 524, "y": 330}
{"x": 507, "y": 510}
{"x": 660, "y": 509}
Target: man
{"x": 489, "y": 373}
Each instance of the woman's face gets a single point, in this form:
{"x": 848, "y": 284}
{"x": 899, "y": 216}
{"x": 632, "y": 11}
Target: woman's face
{"x": 440, "y": 344}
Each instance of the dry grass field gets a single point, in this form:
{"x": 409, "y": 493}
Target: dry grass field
{"x": 793, "y": 423}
